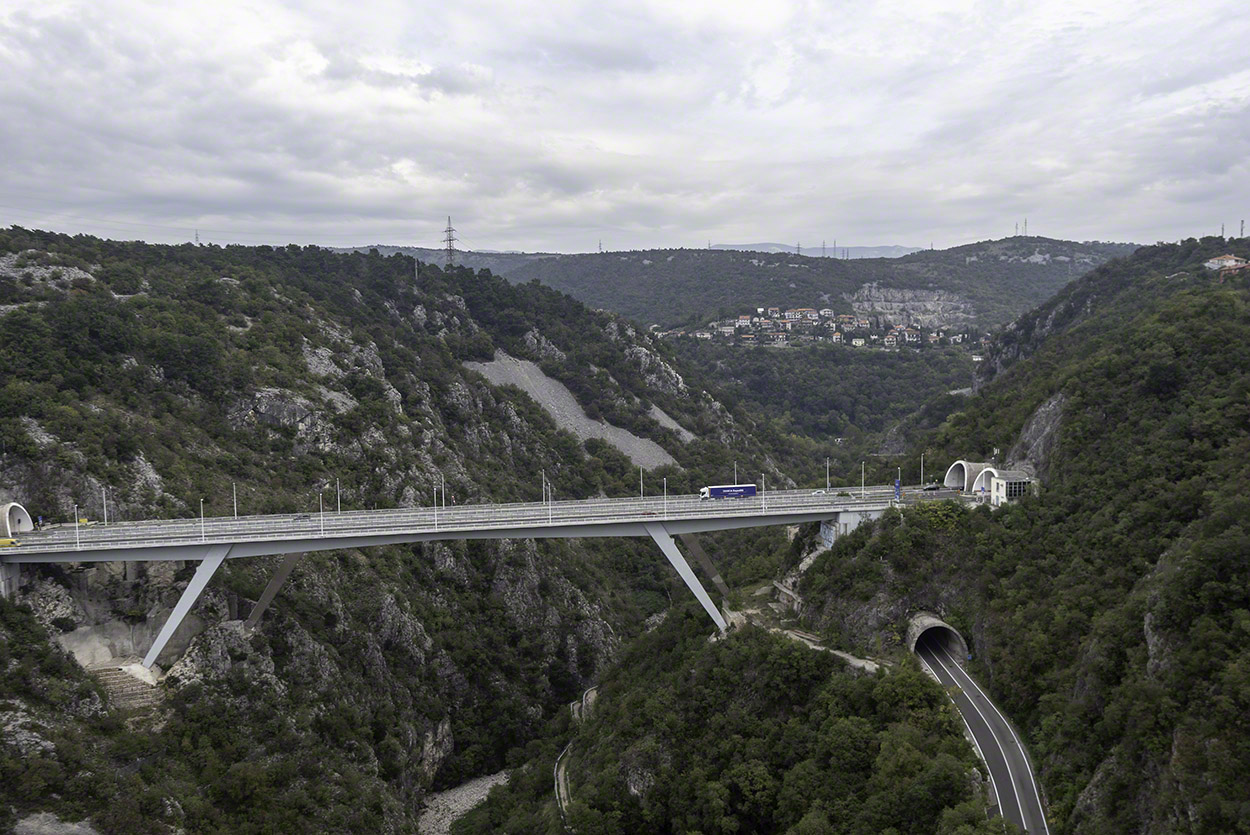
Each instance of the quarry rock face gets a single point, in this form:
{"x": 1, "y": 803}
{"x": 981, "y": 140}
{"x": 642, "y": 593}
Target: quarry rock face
{"x": 919, "y": 308}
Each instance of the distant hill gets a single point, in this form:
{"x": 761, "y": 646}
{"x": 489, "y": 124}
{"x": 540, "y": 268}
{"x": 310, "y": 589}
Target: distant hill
{"x": 499, "y": 263}
{"x": 851, "y": 252}
{"x": 979, "y": 285}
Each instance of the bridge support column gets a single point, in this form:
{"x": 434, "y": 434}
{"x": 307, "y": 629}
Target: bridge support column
{"x": 266, "y": 597}
{"x": 665, "y": 540}
{"x": 208, "y": 567}
{"x": 694, "y": 547}
{"x": 10, "y": 574}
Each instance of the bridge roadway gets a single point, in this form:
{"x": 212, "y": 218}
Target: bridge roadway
{"x": 251, "y": 536}
{"x": 211, "y": 540}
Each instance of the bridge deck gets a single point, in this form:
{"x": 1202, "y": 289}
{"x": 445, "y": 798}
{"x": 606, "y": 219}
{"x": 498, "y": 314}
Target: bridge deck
{"x": 599, "y": 517}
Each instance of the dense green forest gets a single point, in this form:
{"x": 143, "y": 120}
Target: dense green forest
{"x": 997, "y": 280}
{"x": 754, "y": 733}
{"x": 830, "y": 391}
{"x": 163, "y": 375}
{"x": 1110, "y": 614}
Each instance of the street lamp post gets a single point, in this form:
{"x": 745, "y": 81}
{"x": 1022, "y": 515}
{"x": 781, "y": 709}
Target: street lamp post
{"x": 763, "y": 493}
{"x": 863, "y": 493}
{"x": 234, "y": 493}
{"x": 201, "y": 520}
{"x": 922, "y": 469}
{"x": 338, "y": 496}
{"x": 321, "y": 508}
{"x": 665, "y": 497}
{"x": 77, "y": 540}
{"x": 105, "y": 499}
{"x": 826, "y": 473}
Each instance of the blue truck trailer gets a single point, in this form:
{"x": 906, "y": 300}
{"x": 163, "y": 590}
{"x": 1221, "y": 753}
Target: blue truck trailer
{"x": 727, "y": 491}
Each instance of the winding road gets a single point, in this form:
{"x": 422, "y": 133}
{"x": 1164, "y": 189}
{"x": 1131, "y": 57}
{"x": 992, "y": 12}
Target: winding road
{"x": 1015, "y": 787}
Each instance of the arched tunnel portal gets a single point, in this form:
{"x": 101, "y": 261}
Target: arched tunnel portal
{"x": 929, "y": 627}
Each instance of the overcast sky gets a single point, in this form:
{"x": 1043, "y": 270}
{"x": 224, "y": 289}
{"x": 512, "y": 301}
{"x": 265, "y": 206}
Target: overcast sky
{"x": 550, "y": 125}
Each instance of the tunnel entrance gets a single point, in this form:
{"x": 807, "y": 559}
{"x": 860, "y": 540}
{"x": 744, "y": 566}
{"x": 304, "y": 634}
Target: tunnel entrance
{"x": 932, "y": 630}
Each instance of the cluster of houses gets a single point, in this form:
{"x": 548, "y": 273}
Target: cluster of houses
{"x": 776, "y": 327}
{"x": 1228, "y": 265}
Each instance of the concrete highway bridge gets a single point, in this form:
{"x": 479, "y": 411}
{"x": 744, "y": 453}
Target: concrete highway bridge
{"x": 210, "y": 541}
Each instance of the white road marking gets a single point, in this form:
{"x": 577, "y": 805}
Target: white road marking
{"x": 997, "y": 800}
{"x": 1032, "y": 780}
{"x": 1006, "y": 760}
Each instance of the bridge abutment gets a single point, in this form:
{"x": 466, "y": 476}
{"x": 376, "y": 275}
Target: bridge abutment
{"x": 845, "y": 522}
{"x": 10, "y": 575}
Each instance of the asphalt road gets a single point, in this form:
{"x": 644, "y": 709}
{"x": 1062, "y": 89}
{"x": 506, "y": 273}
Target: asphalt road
{"x": 462, "y": 517}
{"x": 1015, "y": 787}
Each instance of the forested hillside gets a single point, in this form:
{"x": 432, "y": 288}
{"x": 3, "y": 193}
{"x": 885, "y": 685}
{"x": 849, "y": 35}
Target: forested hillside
{"x": 989, "y": 283}
{"x": 1110, "y": 614}
{"x": 753, "y": 733}
{"x": 831, "y": 391}
{"x": 160, "y": 376}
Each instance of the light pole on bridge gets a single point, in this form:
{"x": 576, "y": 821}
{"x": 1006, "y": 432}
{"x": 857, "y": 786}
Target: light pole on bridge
{"x": 77, "y": 540}
{"x": 201, "y": 520}
{"x": 826, "y": 474}
{"x": 665, "y": 497}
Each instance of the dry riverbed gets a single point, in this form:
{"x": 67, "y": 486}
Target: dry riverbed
{"x": 442, "y": 809}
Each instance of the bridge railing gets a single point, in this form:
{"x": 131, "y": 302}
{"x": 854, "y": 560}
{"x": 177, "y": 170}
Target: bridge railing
{"x": 452, "y": 518}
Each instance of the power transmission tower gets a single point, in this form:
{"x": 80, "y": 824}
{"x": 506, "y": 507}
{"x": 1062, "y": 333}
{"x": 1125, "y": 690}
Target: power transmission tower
{"x": 822, "y": 249}
{"x": 449, "y": 241}
{"x": 197, "y": 237}
{"x": 1243, "y": 229}
{"x": 798, "y": 248}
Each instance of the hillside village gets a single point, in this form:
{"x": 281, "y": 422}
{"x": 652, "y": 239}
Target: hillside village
{"x": 774, "y": 327}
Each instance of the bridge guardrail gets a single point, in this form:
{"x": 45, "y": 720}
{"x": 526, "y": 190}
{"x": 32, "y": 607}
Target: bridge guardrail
{"x": 450, "y": 519}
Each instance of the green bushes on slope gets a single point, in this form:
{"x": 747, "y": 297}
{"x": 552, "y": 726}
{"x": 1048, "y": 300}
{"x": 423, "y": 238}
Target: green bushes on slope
{"x": 1110, "y": 614}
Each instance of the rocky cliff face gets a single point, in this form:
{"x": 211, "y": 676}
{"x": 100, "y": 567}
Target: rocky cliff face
{"x": 918, "y": 308}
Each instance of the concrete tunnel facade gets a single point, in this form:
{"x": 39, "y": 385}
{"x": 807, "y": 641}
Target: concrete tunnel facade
{"x": 923, "y": 623}
{"x": 962, "y": 475}
{"x": 16, "y": 519}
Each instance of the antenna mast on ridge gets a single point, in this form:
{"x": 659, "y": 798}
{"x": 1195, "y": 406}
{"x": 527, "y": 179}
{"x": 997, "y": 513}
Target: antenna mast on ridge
{"x": 449, "y": 241}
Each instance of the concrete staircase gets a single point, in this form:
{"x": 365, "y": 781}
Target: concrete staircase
{"x": 125, "y": 691}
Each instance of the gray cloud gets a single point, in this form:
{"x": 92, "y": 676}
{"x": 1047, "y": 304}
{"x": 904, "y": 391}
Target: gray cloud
{"x": 641, "y": 123}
